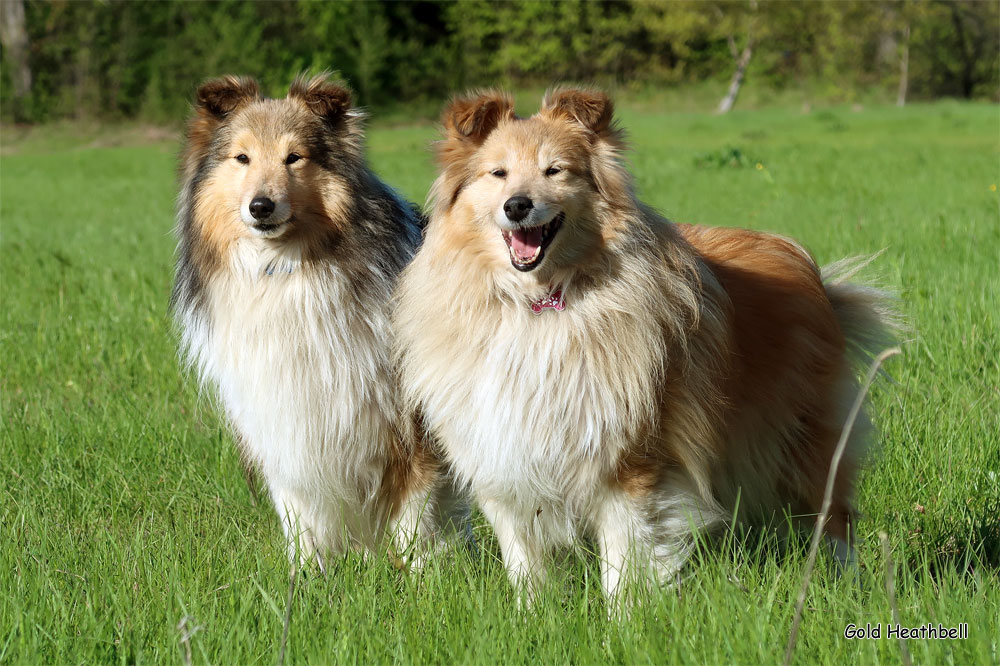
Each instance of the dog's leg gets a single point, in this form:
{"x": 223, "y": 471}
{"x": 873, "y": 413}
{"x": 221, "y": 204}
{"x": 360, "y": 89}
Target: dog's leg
{"x": 845, "y": 555}
{"x": 413, "y": 529}
{"x": 679, "y": 514}
{"x": 624, "y": 538}
{"x": 428, "y": 518}
{"x": 452, "y": 513}
{"x": 522, "y": 555}
{"x": 839, "y": 538}
{"x": 297, "y": 521}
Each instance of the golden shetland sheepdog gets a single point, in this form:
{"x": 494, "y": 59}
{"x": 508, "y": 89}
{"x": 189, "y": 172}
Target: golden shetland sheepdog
{"x": 289, "y": 250}
{"x": 592, "y": 370}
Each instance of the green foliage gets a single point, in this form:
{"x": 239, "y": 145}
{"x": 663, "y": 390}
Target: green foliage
{"x": 115, "y": 59}
{"x": 959, "y": 47}
{"x": 127, "y": 534}
{"x": 728, "y": 157}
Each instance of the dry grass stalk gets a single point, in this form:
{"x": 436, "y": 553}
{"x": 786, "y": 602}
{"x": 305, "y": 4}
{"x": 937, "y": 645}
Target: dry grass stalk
{"x": 824, "y": 514}
{"x": 186, "y": 635}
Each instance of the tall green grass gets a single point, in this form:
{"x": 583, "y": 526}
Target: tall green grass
{"x": 127, "y": 533}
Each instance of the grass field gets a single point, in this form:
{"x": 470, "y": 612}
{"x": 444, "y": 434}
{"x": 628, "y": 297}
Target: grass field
{"x": 127, "y": 533}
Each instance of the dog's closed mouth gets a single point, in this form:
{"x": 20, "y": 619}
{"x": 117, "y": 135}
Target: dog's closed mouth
{"x": 268, "y": 228}
{"x": 527, "y": 246}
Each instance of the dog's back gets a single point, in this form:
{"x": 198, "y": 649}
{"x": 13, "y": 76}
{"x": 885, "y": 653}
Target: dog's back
{"x": 790, "y": 379}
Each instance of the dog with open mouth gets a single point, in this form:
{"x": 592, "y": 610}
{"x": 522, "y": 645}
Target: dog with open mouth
{"x": 592, "y": 370}
{"x": 289, "y": 249}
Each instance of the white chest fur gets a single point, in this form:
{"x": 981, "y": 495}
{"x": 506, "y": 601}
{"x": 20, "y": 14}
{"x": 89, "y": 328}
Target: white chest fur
{"x": 535, "y": 410}
{"x": 301, "y": 369}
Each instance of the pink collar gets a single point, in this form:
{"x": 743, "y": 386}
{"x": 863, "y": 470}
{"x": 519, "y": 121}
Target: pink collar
{"x": 554, "y": 301}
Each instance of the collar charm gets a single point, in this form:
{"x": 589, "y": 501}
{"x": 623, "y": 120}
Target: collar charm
{"x": 553, "y": 301}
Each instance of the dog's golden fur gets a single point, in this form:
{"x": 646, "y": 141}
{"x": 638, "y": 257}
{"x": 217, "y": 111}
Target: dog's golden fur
{"x": 287, "y": 317}
{"x": 693, "y": 369}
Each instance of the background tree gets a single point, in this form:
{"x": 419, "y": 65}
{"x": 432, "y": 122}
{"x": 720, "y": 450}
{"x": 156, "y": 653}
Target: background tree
{"x": 118, "y": 59}
{"x": 14, "y": 38}
{"x": 727, "y": 24}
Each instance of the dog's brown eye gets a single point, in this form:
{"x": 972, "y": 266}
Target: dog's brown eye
{"x": 242, "y": 159}
{"x": 499, "y": 173}
{"x": 292, "y": 158}
{"x": 553, "y": 170}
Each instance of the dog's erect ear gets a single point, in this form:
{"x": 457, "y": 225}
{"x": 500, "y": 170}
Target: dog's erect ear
{"x": 595, "y": 111}
{"x": 220, "y": 97}
{"x": 473, "y": 118}
{"x": 591, "y": 108}
{"x": 323, "y": 97}
{"x": 215, "y": 100}
{"x": 467, "y": 122}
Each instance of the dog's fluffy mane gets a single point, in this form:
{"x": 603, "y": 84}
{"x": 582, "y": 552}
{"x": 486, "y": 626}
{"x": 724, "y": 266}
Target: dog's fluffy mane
{"x": 646, "y": 269}
{"x": 364, "y": 211}
{"x": 628, "y": 226}
{"x": 693, "y": 370}
{"x": 293, "y": 333}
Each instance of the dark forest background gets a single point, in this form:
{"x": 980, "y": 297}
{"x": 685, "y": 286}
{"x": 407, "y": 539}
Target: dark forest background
{"x": 141, "y": 60}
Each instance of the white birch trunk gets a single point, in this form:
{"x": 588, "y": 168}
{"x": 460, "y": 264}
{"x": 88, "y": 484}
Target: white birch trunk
{"x": 734, "y": 85}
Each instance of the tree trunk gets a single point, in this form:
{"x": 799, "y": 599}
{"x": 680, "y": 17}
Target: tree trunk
{"x": 734, "y": 86}
{"x": 14, "y": 37}
{"x": 968, "y": 52}
{"x": 887, "y": 53}
{"x": 904, "y": 68}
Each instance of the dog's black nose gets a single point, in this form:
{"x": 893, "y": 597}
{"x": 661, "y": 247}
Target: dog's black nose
{"x": 261, "y": 208}
{"x": 517, "y": 208}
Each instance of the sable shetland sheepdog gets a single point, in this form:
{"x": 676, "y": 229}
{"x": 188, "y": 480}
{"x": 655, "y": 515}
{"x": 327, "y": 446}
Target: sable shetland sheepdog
{"x": 591, "y": 369}
{"x": 289, "y": 250}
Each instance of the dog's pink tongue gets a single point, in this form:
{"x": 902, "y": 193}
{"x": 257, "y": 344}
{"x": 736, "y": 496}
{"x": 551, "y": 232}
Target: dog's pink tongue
{"x": 525, "y": 242}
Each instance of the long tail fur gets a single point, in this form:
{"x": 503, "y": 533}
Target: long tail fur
{"x": 867, "y": 314}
